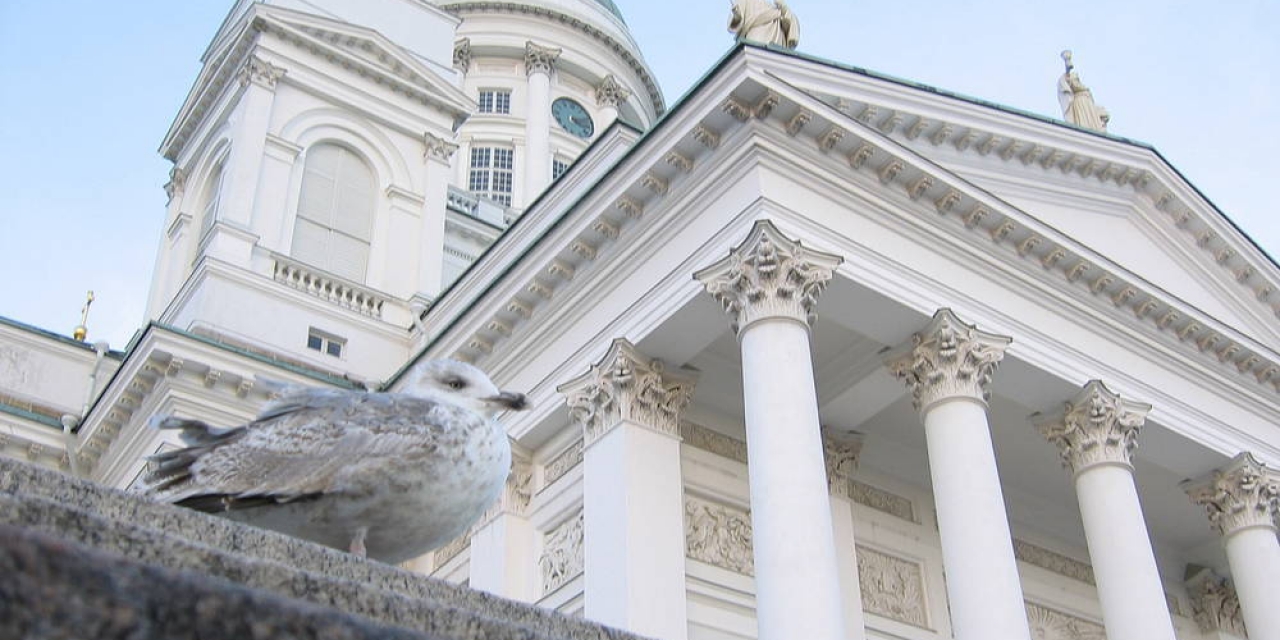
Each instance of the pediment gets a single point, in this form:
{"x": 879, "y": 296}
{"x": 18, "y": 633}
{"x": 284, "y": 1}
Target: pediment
{"x": 369, "y": 51}
{"x": 1115, "y": 196}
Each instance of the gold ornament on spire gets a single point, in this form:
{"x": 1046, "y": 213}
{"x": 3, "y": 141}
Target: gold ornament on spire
{"x": 82, "y": 330}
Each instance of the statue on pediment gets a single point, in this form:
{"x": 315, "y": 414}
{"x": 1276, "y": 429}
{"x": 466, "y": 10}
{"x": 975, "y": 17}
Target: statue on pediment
{"x": 1078, "y": 106}
{"x": 765, "y": 22}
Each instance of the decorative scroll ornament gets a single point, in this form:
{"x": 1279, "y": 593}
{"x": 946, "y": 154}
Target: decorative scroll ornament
{"x": 438, "y": 148}
{"x": 1097, "y": 426}
{"x": 1050, "y": 624}
{"x": 610, "y": 93}
{"x": 1243, "y": 494}
{"x": 840, "y": 451}
{"x": 718, "y": 535}
{"x": 1214, "y": 603}
{"x": 260, "y": 72}
{"x": 625, "y": 386}
{"x": 462, "y": 54}
{"x": 538, "y": 58}
{"x": 769, "y": 276}
{"x": 948, "y": 359}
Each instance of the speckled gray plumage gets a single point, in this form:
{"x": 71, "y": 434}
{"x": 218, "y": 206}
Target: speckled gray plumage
{"x": 413, "y": 469}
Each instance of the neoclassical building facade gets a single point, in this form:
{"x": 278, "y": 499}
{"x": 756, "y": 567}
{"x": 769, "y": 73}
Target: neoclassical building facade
{"x": 818, "y": 354}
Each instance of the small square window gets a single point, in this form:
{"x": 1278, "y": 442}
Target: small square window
{"x": 324, "y": 342}
{"x": 494, "y": 101}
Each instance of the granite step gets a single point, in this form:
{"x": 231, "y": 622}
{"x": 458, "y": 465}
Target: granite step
{"x": 159, "y": 535}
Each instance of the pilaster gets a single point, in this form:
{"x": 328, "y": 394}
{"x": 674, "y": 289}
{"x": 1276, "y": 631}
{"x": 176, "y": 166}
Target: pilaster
{"x": 437, "y": 155}
{"x": 502, "y": 554}
{"x": 840, "y": 451}
{"x": 1214, "y": 604}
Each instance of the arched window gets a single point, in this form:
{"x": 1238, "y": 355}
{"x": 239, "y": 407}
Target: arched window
{"x": 335, "y": 212}
{"x": 212, "y": 196}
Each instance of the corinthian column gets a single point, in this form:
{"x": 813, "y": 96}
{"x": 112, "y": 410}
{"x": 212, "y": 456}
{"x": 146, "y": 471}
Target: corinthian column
{"x": 769, "y": 285}
{"x": 1241, "y": 499}
{"x": 633, "y": 495}
{"x": 538, "y": 63}
{"x": 1096, "y": 432}
{"x": 609, "y": 96}
{"x": 948, "y": 368}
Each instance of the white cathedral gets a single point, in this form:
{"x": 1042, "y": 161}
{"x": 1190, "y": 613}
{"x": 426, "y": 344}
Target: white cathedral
{"x": 817, "y": 354}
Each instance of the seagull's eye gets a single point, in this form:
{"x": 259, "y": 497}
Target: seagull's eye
{"x": 455, "y": 383}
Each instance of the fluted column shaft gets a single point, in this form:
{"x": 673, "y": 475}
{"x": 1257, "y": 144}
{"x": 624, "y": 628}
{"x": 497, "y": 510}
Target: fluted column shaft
{"x": 948, "y": 367}
{"x": 769, "y": 284}
{"x": 633, "y": 493}
{"x": 1096, "y": 432}
{"x": 1241, "y": 500}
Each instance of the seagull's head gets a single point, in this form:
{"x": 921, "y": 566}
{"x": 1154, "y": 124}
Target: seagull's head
{"x": 462, "y": 384}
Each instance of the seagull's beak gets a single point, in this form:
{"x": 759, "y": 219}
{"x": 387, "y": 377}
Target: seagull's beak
{"x": 510, "y": 400}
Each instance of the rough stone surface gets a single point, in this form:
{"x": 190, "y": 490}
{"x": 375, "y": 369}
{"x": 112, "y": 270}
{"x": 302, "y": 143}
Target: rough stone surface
{"x": 48, "y": 503}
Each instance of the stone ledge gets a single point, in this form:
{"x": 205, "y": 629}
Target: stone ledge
{"x": 149, "y": 533}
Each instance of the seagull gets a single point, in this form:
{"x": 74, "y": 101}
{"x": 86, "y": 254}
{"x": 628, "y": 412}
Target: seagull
{"x": 387, "y": 476}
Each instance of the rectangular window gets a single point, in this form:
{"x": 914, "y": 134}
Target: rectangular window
{"x": 558, "y": 167}
{"x": 325, "y": 342}
{"x": 495, "y": 101}
{"x": 490, "y": 175}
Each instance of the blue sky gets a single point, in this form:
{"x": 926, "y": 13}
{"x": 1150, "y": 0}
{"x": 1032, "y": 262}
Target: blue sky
{"x": 88, "y": 89}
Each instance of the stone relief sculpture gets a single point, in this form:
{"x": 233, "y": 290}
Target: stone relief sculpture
{"x": 891, "y": 587}
{"x": 765, "y": 22}
{"x": 562, "y": 557}
{"x": 1048, "y": 624}
{"x": 718, "y": 535}
{"x": 1077, "y": 102}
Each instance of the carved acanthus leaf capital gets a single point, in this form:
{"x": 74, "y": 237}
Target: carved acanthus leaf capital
{"x": 1096, "y": 426}
{"x": 462, "y": 54}
{"x": 610, "y": 93}
{"x": 948, "y": 359}
{"x": 516, "y": 493}
{"x": 840, "y": 452}
{"x": 626, "y": 386}
{"x": 769, "y": 276}
{"x": 1243, "y": 494}
{"x": 538, "y": 58}
{"x": 260, "y": 72}
{"x": 1214, "y": 603}
{"x": 438, "y": 148}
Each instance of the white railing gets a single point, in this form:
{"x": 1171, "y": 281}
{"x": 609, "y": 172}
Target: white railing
{"x": 341, "y": 292}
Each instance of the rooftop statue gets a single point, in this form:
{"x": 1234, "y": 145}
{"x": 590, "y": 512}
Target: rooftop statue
{"x": 1077, "y": 103}
{"x": 765, "y": 22}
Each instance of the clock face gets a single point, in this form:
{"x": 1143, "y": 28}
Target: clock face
{"x": 573, "y": 117}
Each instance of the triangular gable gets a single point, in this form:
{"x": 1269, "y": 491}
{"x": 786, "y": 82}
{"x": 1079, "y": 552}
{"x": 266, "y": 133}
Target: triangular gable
{"x": 1113, "y": 195}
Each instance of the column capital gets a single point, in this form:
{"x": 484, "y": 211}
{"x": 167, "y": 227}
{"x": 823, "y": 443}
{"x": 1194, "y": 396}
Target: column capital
{"x": 516, "y": 493}
{"x": 947, "y": 359}
{"x": 1242, "y": 494}
{"x": 609, "y": 93}
{"x": 769, "y": 276}
{"x": 257, "y": 71}
{"x": 538, "y": 58}
{"x": 840, "y": 452}
{"x": 626, "y": 386}
{"x": 1096, "y": 426}
{"x": 176, "y": 184}
{"x": 438, "y": 148}
{"x": 1214, "y": 603}
{"x": 462, "y": 54}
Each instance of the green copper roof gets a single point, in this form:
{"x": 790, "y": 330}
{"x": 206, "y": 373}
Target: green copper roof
{"x": 613, "y": 8}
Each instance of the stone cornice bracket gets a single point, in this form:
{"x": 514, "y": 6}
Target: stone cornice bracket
{"x": 260, "y": 72}
{"x": 947, "y": 359}
{"x": 438, "y": 148}
{"x": 626, "y": 386}
{"x": 769, "y": 276}
{"x": 1243, "y": 494}
{"x": 840, "y": 451}
{"x": 538, "y": 58}
{"x": 462, "y": 54}
{"x": 609, "y": 93}
{"x": 1095, "y": 427}
{"x": 1214, "y": 603}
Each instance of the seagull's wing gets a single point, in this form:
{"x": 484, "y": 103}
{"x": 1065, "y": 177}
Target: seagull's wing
{"x": 309, "y": 444}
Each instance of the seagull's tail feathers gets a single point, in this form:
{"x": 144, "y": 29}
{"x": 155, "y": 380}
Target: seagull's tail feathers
{"x": 169, "y": 470}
